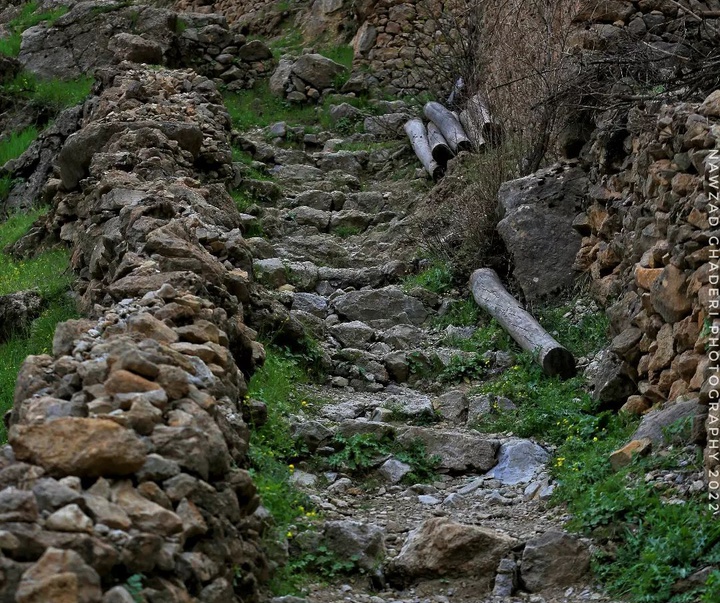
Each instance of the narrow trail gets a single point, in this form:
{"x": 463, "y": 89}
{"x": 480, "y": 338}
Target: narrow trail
{"x": 338, "y": 238}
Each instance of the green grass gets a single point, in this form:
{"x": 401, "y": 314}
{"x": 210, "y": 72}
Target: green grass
{"x": 16, "y": 144}
{"x": 437, "y": 278}
{"x": 347, "y": 231}
{"x": 53, "y": 94}
{"x": 342, "y": 54}
{"x": 653, "y": 544}
{"x": 49, "y": 274}
{"x": 27, "y": 18}
{"x": 258, "y": 107}
{"x": 463, "y": 313}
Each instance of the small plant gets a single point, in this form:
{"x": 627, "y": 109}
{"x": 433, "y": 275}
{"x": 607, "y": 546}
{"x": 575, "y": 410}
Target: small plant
{"x": 361, "y": 453}
{"x": 464, "y": 368}
{"x": 16, "y": 144}
{"x": 52, "y": 94}
{"x": 347, "y": 231}
{"x": 134, "y": 586}
{"x": 243, "y": 200}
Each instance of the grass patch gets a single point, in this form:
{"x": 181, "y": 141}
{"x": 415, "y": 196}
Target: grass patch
{"x": 258, "y": 107}
{"x": 53, "y": 94}
{"x": 437, "y": 278}
{"x": 463, "y": 313}
{"x": 347, "y": 231}
{"x": 587, "y": 335}
{"x": 48, "y": 272}
{"x": 16, "y": 144}
{"x": 27, "y": 18}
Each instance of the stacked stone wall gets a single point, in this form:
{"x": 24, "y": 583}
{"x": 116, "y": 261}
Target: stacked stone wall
{"x": 648, "y": 248}
{"x": 125, "y": 472}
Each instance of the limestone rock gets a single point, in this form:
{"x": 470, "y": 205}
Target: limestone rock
{"x": 537, "y": 227}
{"x": 441, "y": 547}
{"x": 378, "y": 307}
{"x": 459, "y": 452}
{"x": 61, "y": 577}
{"x": 624, "y": 456}
{"x": 655, "y": 422}
{"x": 518, "y": 462}
{"x": 317, "y": 70}
{"x": 555, "y": 559}
{"x": 362, "y": 543}
{"x": 79, "y": 446}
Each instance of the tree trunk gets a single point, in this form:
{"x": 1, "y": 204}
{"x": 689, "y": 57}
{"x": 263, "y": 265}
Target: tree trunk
{"x": 449, "y": 125}
{"x": 492, "y": 297}
{"x": 479, "y": 124}
{"x": 438, "y": 145}
{"x": 415, "y": 129}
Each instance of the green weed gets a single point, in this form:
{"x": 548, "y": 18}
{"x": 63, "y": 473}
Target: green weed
{"x": 463, "y": 313}
{"x": 360, "y": 454}
{"x": 437, "y": 278}
{"x": 347, "y": 231}
{"x": 16, "y": 144}
{"x": 27, "y": 18}
{"x": 258, "y": 107}
{"x": 581, "y": 338}
{"x": 53, "y": 94}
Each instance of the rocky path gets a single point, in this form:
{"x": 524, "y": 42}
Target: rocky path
{"x": 337, "y": 241}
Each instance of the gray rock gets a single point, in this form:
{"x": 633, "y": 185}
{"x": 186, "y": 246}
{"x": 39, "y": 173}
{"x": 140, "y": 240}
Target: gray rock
{"x": 394, "y": 471}
{"x": 254, "y": 50}
{"x": 410, "y": 405}
{"x": 459, "y": 452}
{"x": 271, "y": 272}
{"x": 537, "y": 227}
{"x": 403, "y": 337}
{"x": 381, "y": 307}
{"x": 354, "y": 334}
{"x": 311, "y": 303}
{"x": 51, "y": 494}
{"x": 654, "y": 423}
{"x": 280, "y": 78}
{"x": 312, "y": 433}
{"x": 317, "y": 70}
{"x": 348, "y": 162}
{"x": 386, "y": 126}
{"x": 555, "y": 559}
{"x": 17, "y": 311}
{"x": 344, "y": 111}
{"x": 443, "y": 548}
{"x": 519, "y": 462}
{"x": 134, "y": 48}
{"x": 302, "y": 479}
{"x": 316, "y": 199}
{"x": 452, "y": 406}
{"x": 361, "y": 543}
{"x": 426, "y": 499}
{"x": 612, "y": 381}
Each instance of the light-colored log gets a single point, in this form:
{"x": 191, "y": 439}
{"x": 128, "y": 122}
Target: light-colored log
{"x": 439, "y": 147}
{"x": 449, "y": 125}
{"x": 492, "y": 297}
{"x": 415, "y": 129}
{"x": 479, "y": 124}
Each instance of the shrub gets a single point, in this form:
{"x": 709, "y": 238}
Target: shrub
{"x": 27, "y": 18}
{"x": 51, "y": 94}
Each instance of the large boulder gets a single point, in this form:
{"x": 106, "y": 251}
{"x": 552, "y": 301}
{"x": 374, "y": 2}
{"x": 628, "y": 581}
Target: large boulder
{"x": 317, "y": 70}
{"x": 441, "y": 547}
{"x": 458, "y": 452}
{"x": 655, "y": 424}
{"x": 519, "y": 461}
{"x": 537, "y": 227}
{"x": 361, "y": 543}
{"x": 555, "y": 559}
{"x": 381, "y": 307}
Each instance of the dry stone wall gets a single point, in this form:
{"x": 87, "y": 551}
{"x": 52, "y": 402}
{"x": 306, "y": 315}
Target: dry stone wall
{"x": 647, "y": 246}
{"x": 127, "y": 444}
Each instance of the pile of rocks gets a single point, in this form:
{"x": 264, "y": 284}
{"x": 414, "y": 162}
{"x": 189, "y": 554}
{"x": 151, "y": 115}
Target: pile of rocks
{"x": 647, "y": 247}
{"x": 124, "y": 474}
{"x": 89, "y": 36}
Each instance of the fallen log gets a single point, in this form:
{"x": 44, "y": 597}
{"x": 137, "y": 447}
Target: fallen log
{"x": 449, "y": 125}
{"x": 479, "y": 125}
{"x": 492, "y": 297}
{"x": 439, "y": 147}
{"x": 415, "y": 129}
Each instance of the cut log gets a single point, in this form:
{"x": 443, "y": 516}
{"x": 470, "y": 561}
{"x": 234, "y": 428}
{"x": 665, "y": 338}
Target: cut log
{"x": 492, "y": 297}
{"x": 449, "y": 125}
{"x": 479, "y": 125}
{"x": 415, "y": 129}
{"x": 439, "y": 147}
